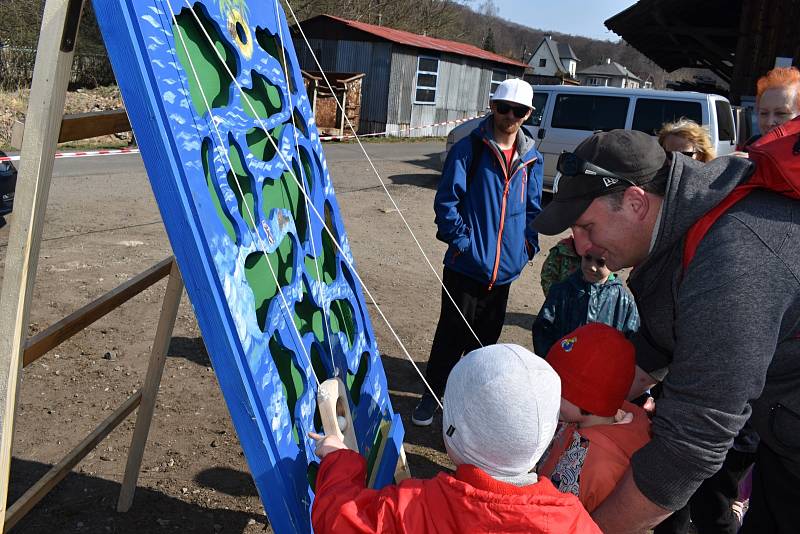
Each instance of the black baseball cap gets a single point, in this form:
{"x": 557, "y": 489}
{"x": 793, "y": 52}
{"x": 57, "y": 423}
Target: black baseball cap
{"x": 604, "y": 163}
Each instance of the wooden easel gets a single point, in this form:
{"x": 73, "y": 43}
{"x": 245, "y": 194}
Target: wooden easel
{"x": 44, "y": 121}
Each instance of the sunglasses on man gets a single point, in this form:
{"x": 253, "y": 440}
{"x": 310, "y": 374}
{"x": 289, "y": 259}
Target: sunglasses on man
{"x": 505, "y": 107}
{"x": 570, "y": 164}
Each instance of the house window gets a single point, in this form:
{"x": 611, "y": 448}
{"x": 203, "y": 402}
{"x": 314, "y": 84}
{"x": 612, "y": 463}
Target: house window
{"x": 543, "y": 62}
{"x": 427, "y": 76}
{"x": 498, "y": 77}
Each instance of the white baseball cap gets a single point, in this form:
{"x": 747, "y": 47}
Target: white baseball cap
{"x": 515, "y": 90}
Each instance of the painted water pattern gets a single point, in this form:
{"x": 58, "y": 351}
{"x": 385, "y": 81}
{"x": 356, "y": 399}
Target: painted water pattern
{"x": 254, "y": 219}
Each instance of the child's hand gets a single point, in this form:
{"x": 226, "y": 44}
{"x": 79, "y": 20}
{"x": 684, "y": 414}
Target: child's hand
{"x": 326, "y": 444}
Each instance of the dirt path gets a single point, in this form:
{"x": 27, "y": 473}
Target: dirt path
{"x": 102, "y": 228}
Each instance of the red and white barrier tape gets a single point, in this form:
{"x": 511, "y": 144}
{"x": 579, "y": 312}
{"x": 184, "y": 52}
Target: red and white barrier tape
{"x": 89, "y": 154}
{"x": 83, "y": 154}
{"x": 398, "y": 133}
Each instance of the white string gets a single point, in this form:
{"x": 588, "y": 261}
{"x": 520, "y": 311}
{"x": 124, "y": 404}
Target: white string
{"x": 310, "y": 204}
{"x": 334, "y": 369}
{"x": 287, "y": 316}
{"x": 378, "y": 175}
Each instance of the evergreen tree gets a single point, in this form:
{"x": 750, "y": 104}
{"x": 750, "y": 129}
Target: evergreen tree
{"x": 488, "y": 41}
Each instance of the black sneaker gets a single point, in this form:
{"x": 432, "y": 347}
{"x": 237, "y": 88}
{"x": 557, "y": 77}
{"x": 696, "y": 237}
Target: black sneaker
{"x": 423, "y": 413}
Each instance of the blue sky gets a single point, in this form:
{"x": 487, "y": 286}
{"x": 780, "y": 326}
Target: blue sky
{"x": 577, "y": 17}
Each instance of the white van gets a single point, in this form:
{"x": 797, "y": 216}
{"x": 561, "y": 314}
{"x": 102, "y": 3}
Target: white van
{"x": 565, "y": 115}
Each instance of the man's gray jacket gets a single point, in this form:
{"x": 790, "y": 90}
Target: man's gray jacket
{"x": 721, "y": 335}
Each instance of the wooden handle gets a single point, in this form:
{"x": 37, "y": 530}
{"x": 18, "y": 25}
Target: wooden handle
{"x": 333, "y": 404}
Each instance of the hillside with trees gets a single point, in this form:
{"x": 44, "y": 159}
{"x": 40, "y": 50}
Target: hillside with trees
{"x": 471, "y": 21}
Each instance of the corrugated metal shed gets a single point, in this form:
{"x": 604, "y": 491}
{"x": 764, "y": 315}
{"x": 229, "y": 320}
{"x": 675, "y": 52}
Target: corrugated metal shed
{"x": 390, "y": 58}
{"x": 332, "y": 26}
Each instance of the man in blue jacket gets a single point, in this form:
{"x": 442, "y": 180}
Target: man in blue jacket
{"x": 490, "y": 191}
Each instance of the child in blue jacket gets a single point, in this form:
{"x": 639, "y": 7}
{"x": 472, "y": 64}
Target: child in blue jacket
{"x": 592, "y": 294}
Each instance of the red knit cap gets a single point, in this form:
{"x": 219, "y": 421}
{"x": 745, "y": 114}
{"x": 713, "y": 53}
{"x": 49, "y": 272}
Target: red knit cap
{"x": 596, "y": 365}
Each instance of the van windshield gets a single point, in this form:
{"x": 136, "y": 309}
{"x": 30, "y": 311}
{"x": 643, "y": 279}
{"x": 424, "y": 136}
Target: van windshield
{"x": 651, "y": 113}
{"x": 539, "y": 102}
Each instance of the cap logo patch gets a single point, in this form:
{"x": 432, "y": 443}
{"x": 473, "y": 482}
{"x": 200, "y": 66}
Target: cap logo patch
{"x": 556, "y": 179}
{"x": 568, "y": 343}
{"x": 450, "y": 431}
{"x": 609, "y": 181}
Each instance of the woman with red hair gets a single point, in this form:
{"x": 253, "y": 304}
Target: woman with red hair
{"x": 777, "y": 97}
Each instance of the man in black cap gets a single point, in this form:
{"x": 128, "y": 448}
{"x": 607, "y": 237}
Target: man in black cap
{"x": 721, "y": 334}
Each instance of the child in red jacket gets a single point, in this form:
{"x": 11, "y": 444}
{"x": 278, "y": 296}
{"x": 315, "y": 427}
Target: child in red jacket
{"x": 500, "y": 411}
{"x": 600, "y": 430}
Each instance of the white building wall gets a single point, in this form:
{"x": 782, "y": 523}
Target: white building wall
{"x": 543, "y": 52}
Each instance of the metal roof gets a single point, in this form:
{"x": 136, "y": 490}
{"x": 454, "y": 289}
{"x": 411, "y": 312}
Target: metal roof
{"x": 683, "y": 33}
{"x": 565, "y": 51}
{"x": 609, "y": 69}
{"x": 418, "y": 41}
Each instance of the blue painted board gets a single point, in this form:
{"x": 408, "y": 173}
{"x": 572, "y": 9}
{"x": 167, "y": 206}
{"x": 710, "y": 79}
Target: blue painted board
{"x": 241, "y": 228}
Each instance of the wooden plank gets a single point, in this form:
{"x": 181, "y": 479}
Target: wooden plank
{"x": 93, "y": 124}
{"x": 402, "y": 471}
{"x": 45, "y": 109}
{"x": 56, "y": 474}
{"x": 385, "y": 466}
{"x": 75, "y": 127}
{"x": 166, "y": 322}
{"x": 67, "y": 327}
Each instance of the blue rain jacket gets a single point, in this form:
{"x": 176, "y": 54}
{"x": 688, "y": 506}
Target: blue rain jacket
{"x": 576, "y": 302}
{"x": 486, "y": 223}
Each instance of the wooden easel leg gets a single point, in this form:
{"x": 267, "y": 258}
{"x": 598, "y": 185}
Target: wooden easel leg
{"x": 45, "y": 110}
{"x": 144, "y": 416}
{"x": 403, "y": 471}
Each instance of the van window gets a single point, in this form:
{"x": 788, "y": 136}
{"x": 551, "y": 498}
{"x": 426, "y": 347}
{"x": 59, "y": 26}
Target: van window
{"x": 651, "y": 113}
{"x": 539, "y": 102}
{"x": 725, "y": 127}
{"x": 589, "y": 112}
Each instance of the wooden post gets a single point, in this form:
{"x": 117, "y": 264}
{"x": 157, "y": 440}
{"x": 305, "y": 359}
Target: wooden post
{"x": 166, "y": 322}
{"x": 51, "y": 73}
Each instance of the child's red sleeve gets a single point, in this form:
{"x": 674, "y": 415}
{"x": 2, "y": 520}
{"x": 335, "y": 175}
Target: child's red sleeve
{"x": 343, "y": 504}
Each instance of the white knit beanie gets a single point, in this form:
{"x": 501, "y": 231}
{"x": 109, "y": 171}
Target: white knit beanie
{"x": 501, "y": 408}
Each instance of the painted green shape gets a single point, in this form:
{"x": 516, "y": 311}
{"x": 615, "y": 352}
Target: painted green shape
{"x": 260, "y": 277}
{"x": 208, "y": 164}
{"x": 356, "y": 381}
{"x": 311, "y": 475}
{"x": 326, "y": 258}
{"x": 376, "y": 447}
{"x": 270, "y": 43}
{"x": 316, "y": 363}
{"x": 259, "y": 143}
{"x": 308, "y": 169}
{"x": 308, "y": 318}
{"x": 341, "y": 319}
{"x": 263, "y": 100}
{"x": 291, "y": 378}
{"x": 241, "y": 182}
{"x": 213, "y": 77}
{"x": 284, "y": 193}
{"x": 231, "y": 5}
{"x": 300, "y": 123}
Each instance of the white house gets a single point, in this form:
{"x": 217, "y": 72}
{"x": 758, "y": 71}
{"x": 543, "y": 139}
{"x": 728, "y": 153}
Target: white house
{"x": 609, "y": 74}
{"x": 552, "y": 58}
